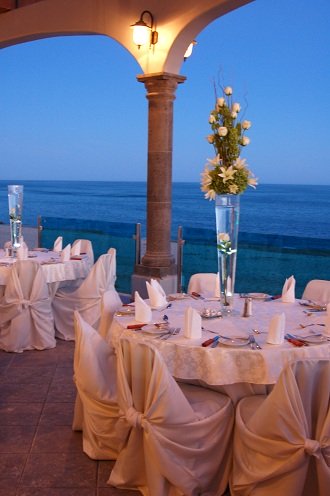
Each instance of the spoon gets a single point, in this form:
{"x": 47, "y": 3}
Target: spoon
{"x": 256, "y": 331}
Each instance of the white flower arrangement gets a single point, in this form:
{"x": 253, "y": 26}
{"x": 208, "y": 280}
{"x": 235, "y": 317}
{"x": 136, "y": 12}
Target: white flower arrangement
{"x": 227, "y": 173}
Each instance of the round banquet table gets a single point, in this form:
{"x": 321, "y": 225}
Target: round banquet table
{"x": 56, "y": 272}
{"x": 249, "y": 371}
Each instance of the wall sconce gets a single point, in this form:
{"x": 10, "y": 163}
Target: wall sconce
{"x": 143, "y": 32}
{"x": 189, "y": 50}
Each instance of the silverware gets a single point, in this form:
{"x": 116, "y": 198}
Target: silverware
{"x": 256, "y": 331}
{"x": 253, "y": 343}
{"x": 307, "y": 325}
{"x": 171, "y": 332}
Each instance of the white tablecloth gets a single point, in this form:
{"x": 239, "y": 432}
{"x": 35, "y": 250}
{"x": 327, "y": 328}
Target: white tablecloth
{"x": 53, "y": 269}
{"x": 224, "y": 365}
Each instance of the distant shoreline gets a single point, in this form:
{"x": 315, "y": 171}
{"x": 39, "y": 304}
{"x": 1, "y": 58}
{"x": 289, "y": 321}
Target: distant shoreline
{"x": 123, "y": 181}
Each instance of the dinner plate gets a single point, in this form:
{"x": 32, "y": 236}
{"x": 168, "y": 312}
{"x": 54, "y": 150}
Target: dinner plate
{"x": 312, "y": 305}
{"x": 177, "y": 296}
{"x": 152, "y": 329}
{"x": 125, "y": 311}
{"x": 257, "y": 296}
{"x": 235, "y": 342}
{"x": 317, "y": 339}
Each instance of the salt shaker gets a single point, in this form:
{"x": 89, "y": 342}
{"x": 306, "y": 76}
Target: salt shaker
{"x": 247, "y": 311}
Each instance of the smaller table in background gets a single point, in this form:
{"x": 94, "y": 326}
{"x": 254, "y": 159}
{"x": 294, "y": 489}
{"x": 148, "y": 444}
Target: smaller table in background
{"x": 56, "y": 272}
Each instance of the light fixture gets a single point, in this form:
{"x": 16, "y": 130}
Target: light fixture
{"x": 189, "y": 50}
{"x": 143, "y": 32}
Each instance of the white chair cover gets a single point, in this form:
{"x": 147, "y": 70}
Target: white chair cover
{"x": 176, "y": 438}
{"x": 317, "y": 290}
{"x": 85, "y": 247}
{"x": 110, "y": 303}
{"x": 86, "y": 298}
{"x": 96, "y": 409}
{"x": 203, "y": 283}
{"x": 282, "y": 442}
{"x": 26, "y": 319}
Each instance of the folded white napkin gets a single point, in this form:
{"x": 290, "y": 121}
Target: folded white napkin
{"x": 288, "y": 291}
{"x": 192, "y": 327}
{"x": 217, "y": 286}
{"x": 58, "y": 244}
{"x": 65, "y": 253}
{"x": 75, "y": 250}
{"x": 142, "y": 310}
{"x": 276, "y": 329}
{"x": 156, "y": 294}
{"x": 22, "y": 252}
{"x": 327, "y": 321}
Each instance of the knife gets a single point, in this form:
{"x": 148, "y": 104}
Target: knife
{"x": 211, "y": 341}
{"x": 295, "y": 341}
{"x": 197, "y": 296}
{"x": 135, "y": 326}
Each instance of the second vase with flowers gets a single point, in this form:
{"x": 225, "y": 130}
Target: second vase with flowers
{"x": 224, "y": 178}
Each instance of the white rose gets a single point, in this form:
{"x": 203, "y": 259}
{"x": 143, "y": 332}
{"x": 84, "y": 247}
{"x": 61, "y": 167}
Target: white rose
{"x": 222, "y": 131}
{"x": 245, "y": 141}
{"x": 234, "y": 115}
{"x": 236, "y": 107}
{"x": 210, "y": 138}
{"x": 228, "y": 90}
{"x": 223, "y": 237}
{"x": 211, "y": 119}
{"x": 246, "y": 124}
{"x": 220, "y": 102}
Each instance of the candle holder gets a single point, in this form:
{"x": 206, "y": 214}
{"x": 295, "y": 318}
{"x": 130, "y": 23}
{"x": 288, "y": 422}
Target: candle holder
{"x": 15, "y": 204}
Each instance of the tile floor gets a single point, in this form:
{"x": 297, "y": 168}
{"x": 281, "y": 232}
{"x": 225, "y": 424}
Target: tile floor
{"x": 40, "y": 455}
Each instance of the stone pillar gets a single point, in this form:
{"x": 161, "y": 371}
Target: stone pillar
{"x": 158, "y": 261}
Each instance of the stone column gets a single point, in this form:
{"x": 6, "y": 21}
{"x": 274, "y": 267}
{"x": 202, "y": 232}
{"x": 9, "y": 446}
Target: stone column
{"x": 158, "y": 261}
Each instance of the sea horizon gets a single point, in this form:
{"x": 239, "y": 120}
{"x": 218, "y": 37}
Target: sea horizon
{"x": 281, "y": 209}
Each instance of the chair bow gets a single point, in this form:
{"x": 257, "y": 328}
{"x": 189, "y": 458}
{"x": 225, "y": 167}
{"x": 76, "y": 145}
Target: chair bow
{"x": 312, "y": 447}
{"x": 134, "y": 418}
{"x": 25, "y": 304}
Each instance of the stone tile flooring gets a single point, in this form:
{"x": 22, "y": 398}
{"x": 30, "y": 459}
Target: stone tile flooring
{"x": 40, "y": 455}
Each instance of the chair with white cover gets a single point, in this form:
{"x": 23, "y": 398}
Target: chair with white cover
{"x": 110, "y": 303}
{"x": 96, "y": 408}
{"x": 86, "y": 298}
{"x": 86, "y": 247}
{"x": 26, "y": 318}
{"x": 282, "y": 441}
{"x": 206, "y": 284}
{"x": 317, "y": 290}
{"x": 177, "y": 438}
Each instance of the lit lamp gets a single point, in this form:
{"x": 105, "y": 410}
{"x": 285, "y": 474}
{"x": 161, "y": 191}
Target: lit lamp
{"x": 143, "y": 32}
{"x": 189, "y": 50}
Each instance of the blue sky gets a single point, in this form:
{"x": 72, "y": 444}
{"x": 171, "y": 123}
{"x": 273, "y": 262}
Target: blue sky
{"x": 71, "y": 107}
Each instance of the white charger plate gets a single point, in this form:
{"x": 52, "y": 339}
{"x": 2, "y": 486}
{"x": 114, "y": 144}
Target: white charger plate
{"x": 316, "y": 339}
{"x": 257, "y": 296}
{"x": 235, "y": 342}
{"x": 152, "y": 329}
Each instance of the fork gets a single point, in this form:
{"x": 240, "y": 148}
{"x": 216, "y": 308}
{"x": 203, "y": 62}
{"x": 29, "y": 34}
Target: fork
{"x": 172, "y": 332}
{"x": 253, "y": 343}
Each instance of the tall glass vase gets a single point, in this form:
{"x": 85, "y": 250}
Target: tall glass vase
{"x": 15, "y": 204}
{"x": 227, "y": 222}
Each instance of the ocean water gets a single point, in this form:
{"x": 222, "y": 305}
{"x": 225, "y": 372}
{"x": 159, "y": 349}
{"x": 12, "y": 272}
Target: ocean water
{"x": 292, "y": 210}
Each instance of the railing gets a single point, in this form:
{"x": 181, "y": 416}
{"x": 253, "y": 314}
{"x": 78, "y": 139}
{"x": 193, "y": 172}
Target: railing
{"x": 102, "y": 234}
{"x": 263, "y": 262}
